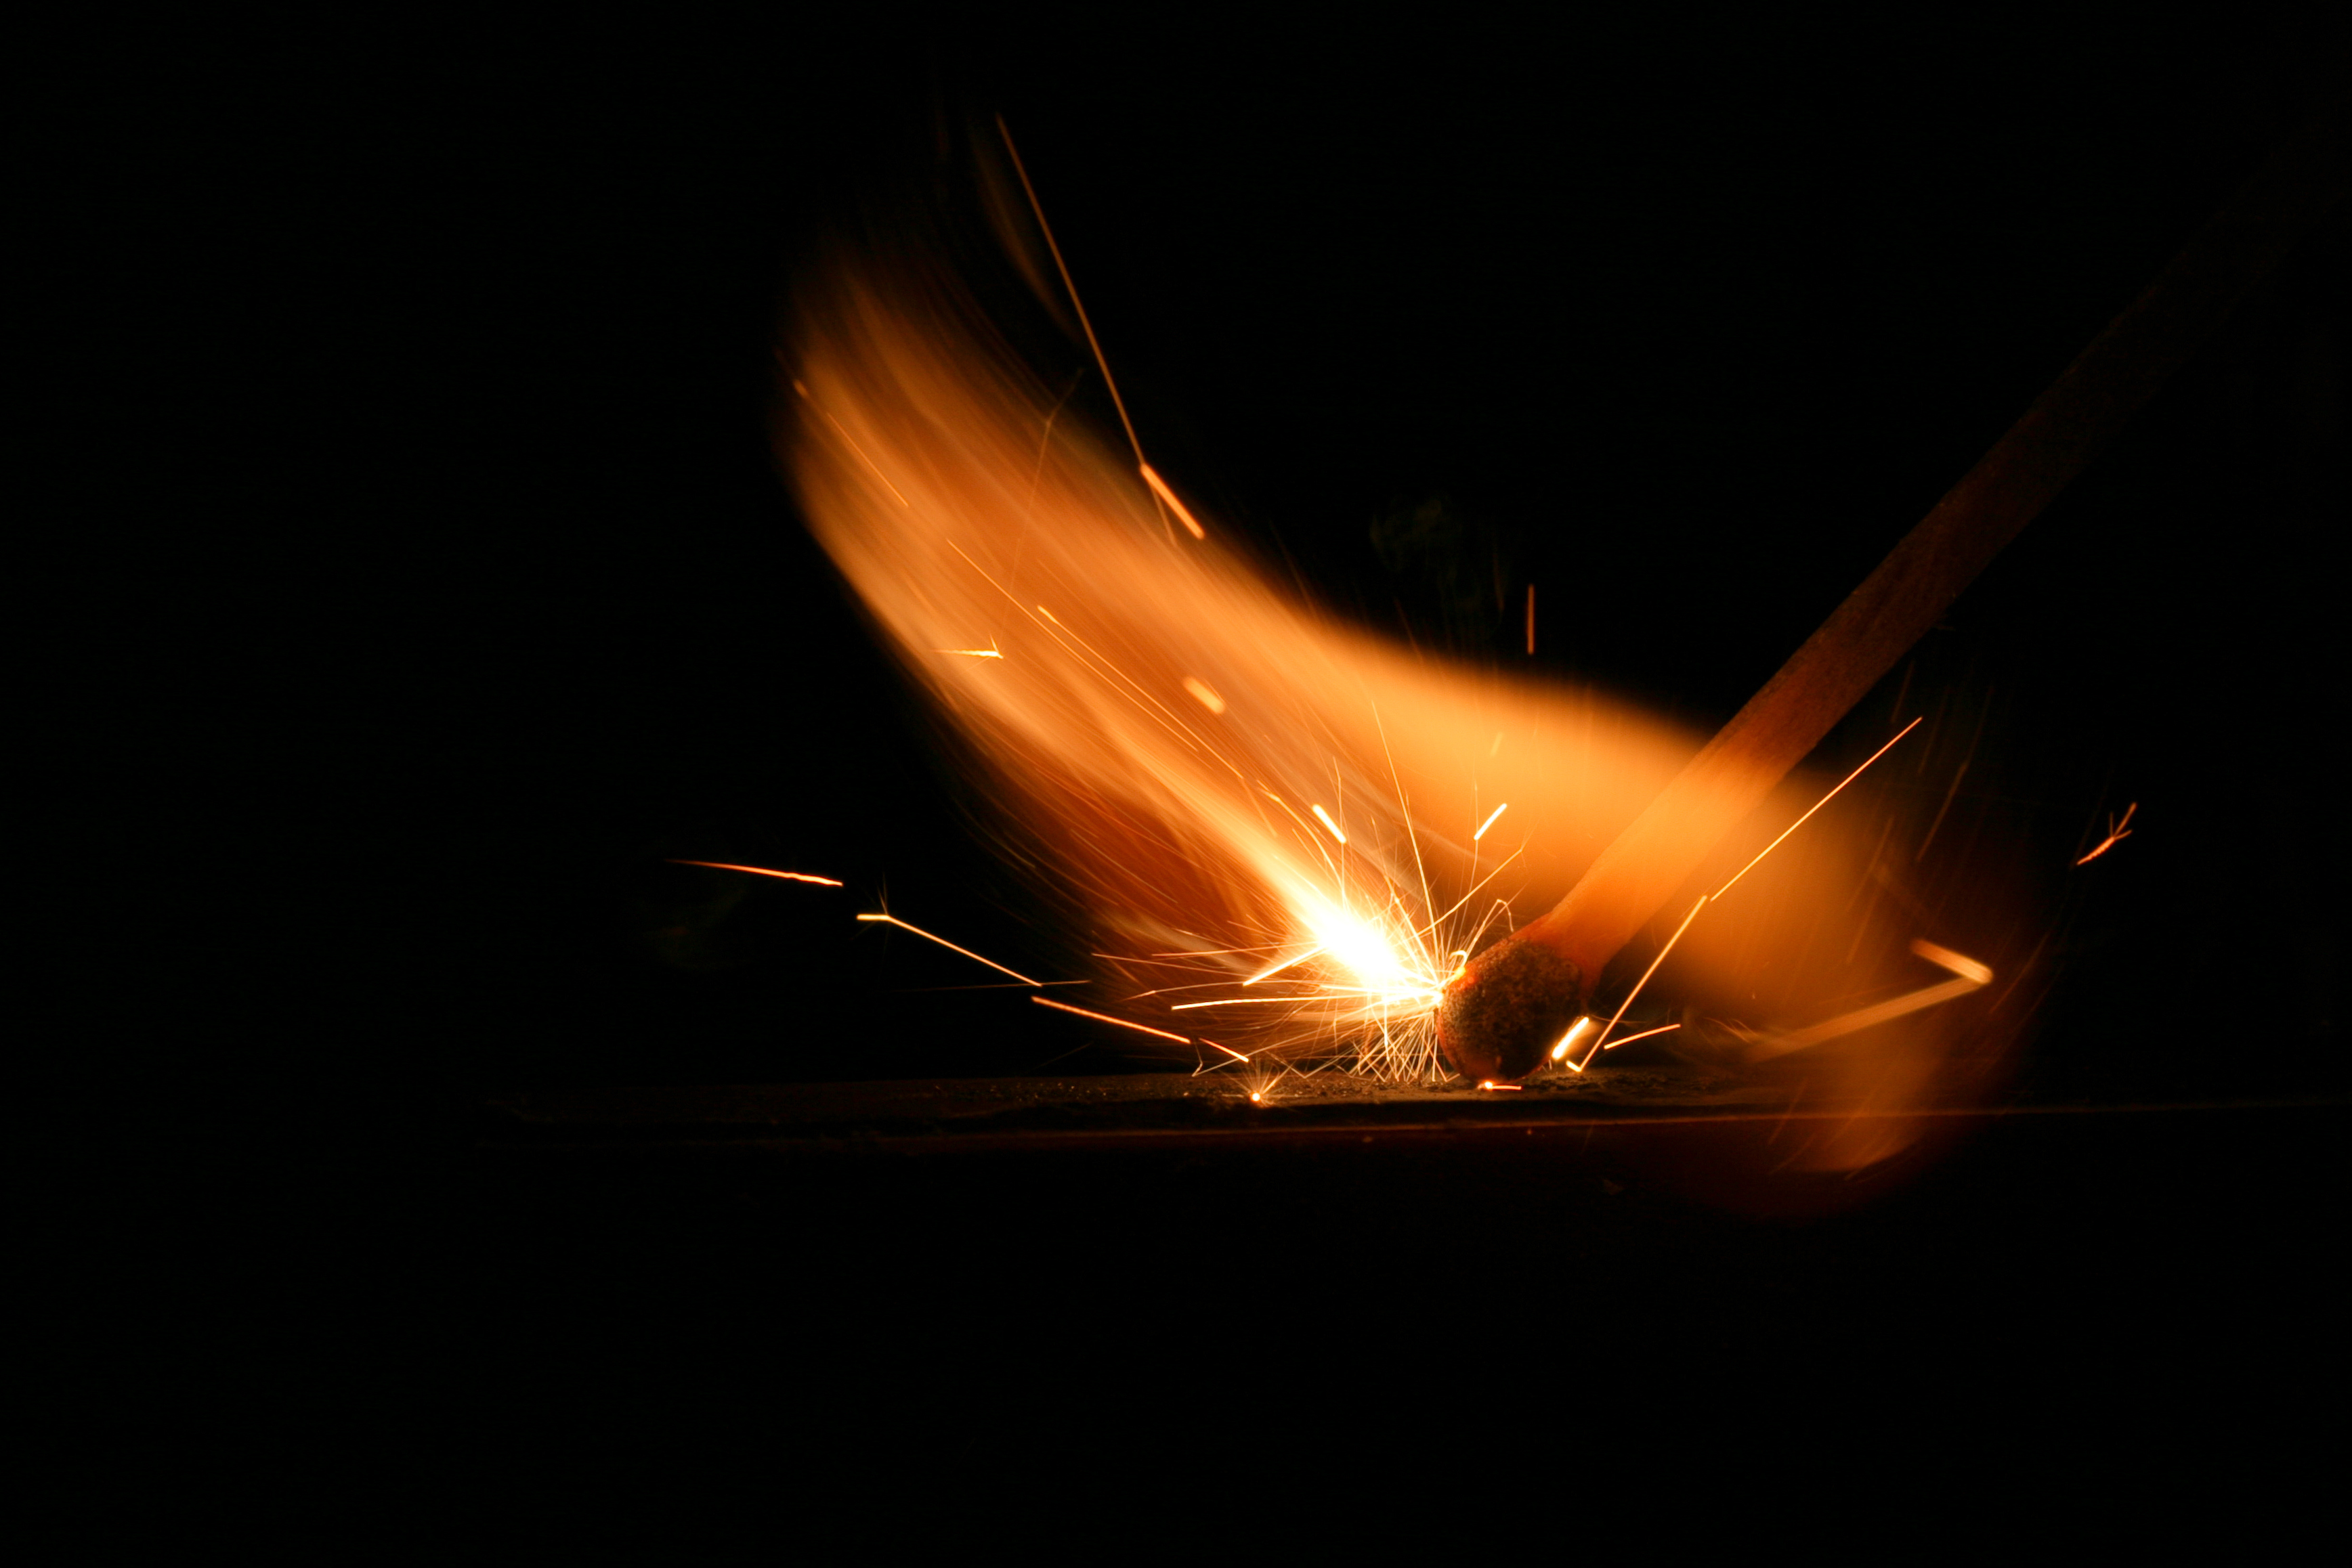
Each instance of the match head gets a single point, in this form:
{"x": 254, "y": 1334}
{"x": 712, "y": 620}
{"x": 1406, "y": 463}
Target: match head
{"x": 1509, "y": 1007}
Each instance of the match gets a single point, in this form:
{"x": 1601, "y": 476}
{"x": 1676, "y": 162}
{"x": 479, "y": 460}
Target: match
{"x": 1500, "y": 1016}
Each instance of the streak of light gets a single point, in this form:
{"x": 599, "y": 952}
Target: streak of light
{"x": 1106, "y": 1018}
{"x": 1959, "y": 964}
{"x": 1287, "y": 963}
{"x": 1600, "y": 1041}
{"x": 1532, "y": 620}
{"x": 988, "y": 652}
{"x": 1490, "y": 1084}
{"x": 1969, "y": 976}
{"x": 1045, "y": 444}
{"x": 1780, "y": 1124}
{"x": 1158, "y": 711}
{"x": 2116, "y": 833}
{"x": 1661, "y": 1028}
{"x": 851, "y": 441}
{"x": 2024, "y": 969}
{"x": 764, "y": 870}
{"x": 1429, "y": 926}
{"x": 1325, "y": 817}
{"x": 1064, "y": 267}
{"x": 1228, "y": 1049}
{"x": 1954, "y": 792}
{"x": 1234, "y": 1002}
{"x": 894, "y": 920}
{"x": 1824, "y": 800}
{"x": 1413, "y": 836}
{"x": 1160, "y": 488}
{"x": 1195, "y": 953}
{"x": 1204, "y": 694}
{"x": 1489, "y": 821}
{"x": 1559, "y": 1051}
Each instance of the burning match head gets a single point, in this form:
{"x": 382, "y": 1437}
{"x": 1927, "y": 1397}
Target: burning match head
{"x": 1506, "y": 1009}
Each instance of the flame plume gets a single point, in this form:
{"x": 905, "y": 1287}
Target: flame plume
{"x": 1283, "y": 831}
{"x": 1228, "y": 779}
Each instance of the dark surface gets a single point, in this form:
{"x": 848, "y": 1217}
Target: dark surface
{"x": 2055, "y": 1306}
{"x": 1145, "y": 1104}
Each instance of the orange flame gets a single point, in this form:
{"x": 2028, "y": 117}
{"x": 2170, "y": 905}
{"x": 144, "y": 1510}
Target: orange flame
{"x": 1154, "y": 725}
{"x": 1181, "y": 743}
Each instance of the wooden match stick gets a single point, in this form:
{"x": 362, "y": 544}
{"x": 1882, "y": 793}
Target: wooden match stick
{"x": 1511, "y": 1003}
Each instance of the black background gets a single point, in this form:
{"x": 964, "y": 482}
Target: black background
{"x": 1686, "y": 321}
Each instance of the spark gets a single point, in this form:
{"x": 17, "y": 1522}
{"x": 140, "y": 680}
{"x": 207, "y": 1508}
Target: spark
{"x": 1824, "y": 800}
{"x": 2116, "y": 833}
{"x": 1490, "y": 1084}
{"x": 1197, "y": 953}
{"x": 894, "y": 920}
{"x": 1406, "y": 808}
{"x": 1159, "y": 712}
{"x": 1559, "y": 1051}
{"x": 1953, "y": 793}
{"x": 1601, "y": 1043}
{"x": 1261, "y": 1086}
{"x": 1432, "y": 926}
{"x": 1969, "y": 976}
{"x": 1038, "y": 207}
{"x": 764, "y": 870}
{"x": 1959, "y": 964}
{"x": 1160, "y": 807}
{"x": 1661, "y": 1028}
{"x": 1287, "y": 963}
{"x": 1106, "y": 1018}
{"x": 1366, "y": 949}
{"x": 1160, "y": 488}
{"x": 844, "y": 431}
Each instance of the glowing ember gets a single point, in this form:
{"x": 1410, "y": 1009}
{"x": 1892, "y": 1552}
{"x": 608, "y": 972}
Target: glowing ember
{"x": 1106, "y": 1018}
{"x": 1160, "y": 488}
{"x": 2116, "y": 833}
{"x": 764, "y": 870}
{"x": 1628, "y": 1039}
{"x": 894, "y": 920}
{"x": 1568, "y": 1041}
